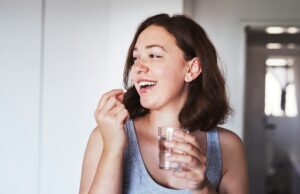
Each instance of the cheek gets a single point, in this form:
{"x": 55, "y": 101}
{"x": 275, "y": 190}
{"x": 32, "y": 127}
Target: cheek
{"x": 171, "y": 68}
{"x": 131, "y": 76}
{"x": 176, "y": 74}
{"x": 173, "y": 82}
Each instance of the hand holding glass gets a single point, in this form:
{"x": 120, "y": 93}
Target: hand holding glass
{"x": 167, "y": 134}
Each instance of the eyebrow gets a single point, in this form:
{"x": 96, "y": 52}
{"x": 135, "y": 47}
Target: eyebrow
{"x": 151, "y": 46}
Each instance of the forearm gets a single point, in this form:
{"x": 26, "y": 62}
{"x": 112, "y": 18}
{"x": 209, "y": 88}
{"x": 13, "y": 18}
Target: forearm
{"x": 109, "y": 174}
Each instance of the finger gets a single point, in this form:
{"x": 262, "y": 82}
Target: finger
{"x": 118, "y": 108}
{"x": 186, "y": 137}
{"x": 189, "y": 160}
{"x": 187, "y": 149}
{"x": 194, "y": 176}
{"x": 189, "y": 139}
{"x": 108, "y": 95}
{"x": 122, "y": 116}
{"x": 110, "y": 104}
{"x": 196, "y": 169}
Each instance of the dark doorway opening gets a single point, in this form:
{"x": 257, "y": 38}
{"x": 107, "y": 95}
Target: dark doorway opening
{"x": 271, "y": 107}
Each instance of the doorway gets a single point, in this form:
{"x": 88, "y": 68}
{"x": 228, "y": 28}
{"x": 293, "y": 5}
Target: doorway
{"x": 271, "y": 112}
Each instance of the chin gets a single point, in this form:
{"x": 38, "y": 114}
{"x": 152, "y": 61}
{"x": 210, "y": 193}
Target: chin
{"x": 148, "y": 105}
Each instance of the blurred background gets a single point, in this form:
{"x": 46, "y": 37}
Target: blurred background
{"x": 57, "y": 57}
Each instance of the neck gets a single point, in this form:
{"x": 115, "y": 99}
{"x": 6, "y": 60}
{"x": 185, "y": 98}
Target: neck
{"x": 157, "y": 119}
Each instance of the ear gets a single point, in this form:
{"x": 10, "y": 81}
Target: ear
{"x": 194, "y": 69}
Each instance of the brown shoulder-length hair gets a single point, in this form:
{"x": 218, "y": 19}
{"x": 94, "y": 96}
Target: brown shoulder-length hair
{"x": 207, "y": 104}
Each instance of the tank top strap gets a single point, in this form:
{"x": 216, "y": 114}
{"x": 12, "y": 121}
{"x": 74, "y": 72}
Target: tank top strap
{"x": 129, "y": 128}
{"x": 214, "y": 160}
{"x": 132, "y": 146}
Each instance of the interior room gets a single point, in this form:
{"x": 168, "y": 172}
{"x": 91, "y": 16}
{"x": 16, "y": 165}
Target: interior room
{"x": 57, "y": 57}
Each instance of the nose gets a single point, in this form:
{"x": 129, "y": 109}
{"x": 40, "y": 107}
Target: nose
{"x": 140, "y": 66}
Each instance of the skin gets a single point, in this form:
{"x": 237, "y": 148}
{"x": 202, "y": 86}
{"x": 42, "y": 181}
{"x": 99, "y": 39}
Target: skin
{"x": 158, "y": 59}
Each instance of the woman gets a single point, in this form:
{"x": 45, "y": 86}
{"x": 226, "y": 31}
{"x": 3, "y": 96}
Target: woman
{"x": 172, "y": 79}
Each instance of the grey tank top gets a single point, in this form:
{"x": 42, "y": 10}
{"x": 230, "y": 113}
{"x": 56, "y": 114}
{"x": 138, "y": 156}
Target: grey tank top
{"x": 137, "y": 180}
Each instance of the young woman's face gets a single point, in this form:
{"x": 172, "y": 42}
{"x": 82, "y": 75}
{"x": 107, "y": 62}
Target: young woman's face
{"x": 159, "y": 70}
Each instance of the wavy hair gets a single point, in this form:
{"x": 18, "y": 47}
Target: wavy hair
{"x": 207, "y": 103}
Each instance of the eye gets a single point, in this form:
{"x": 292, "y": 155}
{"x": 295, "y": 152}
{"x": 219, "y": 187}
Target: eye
{"x": 154, "y": 56}
{"x": 134, "y": 57}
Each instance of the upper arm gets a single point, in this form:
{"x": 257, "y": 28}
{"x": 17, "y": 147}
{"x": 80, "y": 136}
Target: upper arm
{"x": 234, "y": 173}
{"x": 90, "y": 161}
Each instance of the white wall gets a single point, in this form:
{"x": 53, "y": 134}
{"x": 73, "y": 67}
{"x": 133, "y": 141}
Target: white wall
{"x": 20, "y": 44}
{"x": 224, "y": 22}
{"x": 74, "y": 64}
{"x": 53, "y": 70}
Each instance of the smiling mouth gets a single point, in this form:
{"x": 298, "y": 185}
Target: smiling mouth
{"x": 146, "y": 84}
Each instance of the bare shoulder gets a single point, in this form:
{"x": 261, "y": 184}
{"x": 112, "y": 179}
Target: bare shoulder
{"x": 234, "y": 169}
{"x": 232, "y": 148}
{"x": 91, "y": 159}
{"x": 229, "y": 141}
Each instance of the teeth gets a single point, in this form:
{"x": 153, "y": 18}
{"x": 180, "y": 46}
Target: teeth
{"x": 146, "y": 83}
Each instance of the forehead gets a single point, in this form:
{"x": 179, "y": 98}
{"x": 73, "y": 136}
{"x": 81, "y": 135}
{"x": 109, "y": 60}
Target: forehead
{"x": 155, "y": 35}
